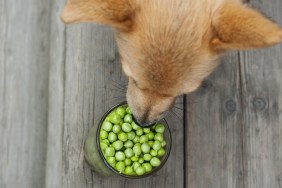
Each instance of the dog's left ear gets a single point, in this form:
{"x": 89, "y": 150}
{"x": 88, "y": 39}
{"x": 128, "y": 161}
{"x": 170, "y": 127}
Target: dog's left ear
{"x": 239, "y": 27}
{"x": 117, "y": 13}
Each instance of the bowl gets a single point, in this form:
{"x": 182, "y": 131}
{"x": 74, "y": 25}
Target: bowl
{"x": 95, "y": 156}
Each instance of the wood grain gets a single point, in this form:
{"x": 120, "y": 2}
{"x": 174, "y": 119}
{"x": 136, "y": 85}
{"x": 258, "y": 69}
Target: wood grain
{"x": 262, "y": 129}
{"x": 24, "y": 66}
{"x": 56, "y": 82}
{"x": 213, "y": 148}
{"x": 240, "y": 147}
{"x": 95, "y": 82}
{"x": 56, "y": 98}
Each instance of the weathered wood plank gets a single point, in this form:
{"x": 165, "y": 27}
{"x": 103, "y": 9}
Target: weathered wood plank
{"x": 24, "y": 64}
{"x": 93, "y": 84}
{"x": 240, "y": 147}
{"x": 56, "y": 98}
{"x": 213, "y": 147}
{"x": 262, "y": 94}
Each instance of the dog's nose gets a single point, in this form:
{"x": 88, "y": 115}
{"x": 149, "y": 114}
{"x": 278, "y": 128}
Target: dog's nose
{"x": 144, "y": 123}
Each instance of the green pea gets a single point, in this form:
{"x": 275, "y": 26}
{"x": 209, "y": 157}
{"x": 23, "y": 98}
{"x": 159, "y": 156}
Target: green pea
{"x": 157, "y": 145}
{"x": 153, "y": 153}
{"x": 137, "y": 149}
{"x": 140, "y": 170}
{"x": 122, "y": 136}
{"x": 106, "y": 142}
{"x": 113, "y": 165}
{"x": 126, "y": 127}
{"x": 139, "y": 132}
{"x": 128, "y": 110}
{"x": 160, "y": 128}
{"x": 161, "y": 152}
{"x": 131, "y": 135}
{"x": 121, "y": 122}
{"x": 107, "y": 118}
{"x": 135, "y": 165}
{"x": 151, "y": 143}
{"x": 128, "y": 118}
{"x": 116, "y": 129}
{"x": 118, "y": 145}
{"x": 145, "y": 147}
{"x": 151, "y": 135}
{"x": 146, "y": 130}
{"x": 128, "y": 170}
{"x": 131, "y": 144}
{"x": 115, "y": 118}
{"x": 141, "y": 160}
{"x": 159, "y": 137}
{"x": 155, "y": 162}
{"x": 128, "y": 152}
{"x": 143, "y": 138}
{"x": 128, "y": 144}
{"x": 109, "y": 151}
{"x": 136, "y": 139}
{"x": 134, "y": 158}
{"x": 147, "y": 157}
{"x": 107, "y": 126}
{"x": 135, "y": 126}
{"x": 138, "y": 144}
{"x": 112, "y": 137}
{"x": 103, "y": 134}
{"x": 127, "y": 162}
{"x": 120, "y": 156}
{"x": 103, "y": 146}
{"x": 148, "y": 167}
{"x": 111, "y": 160}
{"x": 121, "y": 111}
{"x": 120, "y": 166}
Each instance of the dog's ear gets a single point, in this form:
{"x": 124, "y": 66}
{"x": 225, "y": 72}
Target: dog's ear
{"x": 117, "y": 13}
{"x": 239, "y": 27}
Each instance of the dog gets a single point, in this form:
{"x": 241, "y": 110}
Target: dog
{"x": 168, "y": 47}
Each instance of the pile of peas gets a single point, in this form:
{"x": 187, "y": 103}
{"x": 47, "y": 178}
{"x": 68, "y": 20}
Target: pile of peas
{"x": 127, "y": 147}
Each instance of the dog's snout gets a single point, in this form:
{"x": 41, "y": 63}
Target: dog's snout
{"x": 143, "y": 121}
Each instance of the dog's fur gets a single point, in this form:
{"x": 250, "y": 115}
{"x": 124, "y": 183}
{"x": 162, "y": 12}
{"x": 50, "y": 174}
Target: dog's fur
{"x": 168, "y": 47}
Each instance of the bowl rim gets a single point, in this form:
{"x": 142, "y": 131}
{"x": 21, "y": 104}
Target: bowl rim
{"x": 168, "y": 150}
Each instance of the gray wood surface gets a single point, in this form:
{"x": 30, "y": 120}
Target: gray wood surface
{"x": 213, "y": 134}
{"x": 261, "y": 79}
{"x": 93, "y": 83}
{"x": 242, "y": 146}
{"x": 56, "y": 97}
{"x": 56, "y": 82}
{"x": 24, "y": 69}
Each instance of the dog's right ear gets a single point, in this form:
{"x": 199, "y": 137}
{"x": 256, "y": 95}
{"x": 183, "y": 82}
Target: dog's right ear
{"x": 117, "y": 13}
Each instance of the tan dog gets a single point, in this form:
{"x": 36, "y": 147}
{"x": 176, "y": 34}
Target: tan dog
{"x": 168, "y": 47}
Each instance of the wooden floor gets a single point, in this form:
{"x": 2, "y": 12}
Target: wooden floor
{"x": 56, "y": 82}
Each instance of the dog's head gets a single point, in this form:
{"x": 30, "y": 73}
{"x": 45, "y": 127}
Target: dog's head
{"x": 168, "y": 47}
